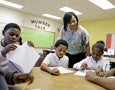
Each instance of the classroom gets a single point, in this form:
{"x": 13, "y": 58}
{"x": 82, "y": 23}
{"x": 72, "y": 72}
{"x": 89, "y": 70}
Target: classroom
{"x": 44, "y": 31}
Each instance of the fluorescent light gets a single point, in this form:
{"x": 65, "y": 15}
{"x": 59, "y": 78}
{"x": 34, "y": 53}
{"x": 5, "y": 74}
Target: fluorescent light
{"x": 67, "y": 9}
{"x": 104, "y": 4}
{"x": 51, "y": 16}
{"x": 11, "y": 4}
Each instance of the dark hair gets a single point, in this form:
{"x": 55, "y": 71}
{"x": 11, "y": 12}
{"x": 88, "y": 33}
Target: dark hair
{"x": 11, "y": 25}
{"x": 102, "y": 42}
{"x": 60, "y": 41}
{"x": 20, "y": 40}
{"x": 67, "y": 17}
{"x": 99, "y": 46}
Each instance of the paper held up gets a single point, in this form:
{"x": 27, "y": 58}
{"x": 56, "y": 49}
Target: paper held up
{"x": 24, "y": 56}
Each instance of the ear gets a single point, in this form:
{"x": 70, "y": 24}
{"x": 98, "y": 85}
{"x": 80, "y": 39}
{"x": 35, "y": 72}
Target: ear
{"x": 3, "y": 32}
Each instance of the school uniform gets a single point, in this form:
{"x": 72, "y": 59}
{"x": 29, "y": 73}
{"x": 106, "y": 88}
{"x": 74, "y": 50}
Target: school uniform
{"x": 52, "y": 60}
{"x": 93, "y": 64}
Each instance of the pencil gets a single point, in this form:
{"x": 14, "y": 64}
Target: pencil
{"x": 25, "y": 86}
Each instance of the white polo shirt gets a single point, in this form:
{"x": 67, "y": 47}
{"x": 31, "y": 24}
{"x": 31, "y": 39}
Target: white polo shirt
{"x": 53, "y": 60}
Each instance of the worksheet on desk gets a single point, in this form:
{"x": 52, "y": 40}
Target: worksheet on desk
{"x": 24, "y": 56}
{"x": 62, "y": 70}
{"x": 82, "y": 72}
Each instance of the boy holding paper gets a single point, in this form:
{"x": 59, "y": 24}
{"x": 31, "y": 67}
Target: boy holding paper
{"x": 95, "y": 62}
{"x": 11, "y": 35}
{"x": 56, "y": 59}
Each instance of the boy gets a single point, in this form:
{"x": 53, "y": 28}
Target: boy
{"x": 56, "y": 59}
{"x": 11, "y": 35}
{"x": 94, "y": 62}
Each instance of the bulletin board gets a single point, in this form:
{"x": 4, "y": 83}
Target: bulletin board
{"x": 40, "y": 38}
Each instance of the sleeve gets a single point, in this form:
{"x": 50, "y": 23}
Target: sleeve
{"x": 106, "y": 65}
{"x": 77, "y": 66}
{"x": 85, "y": 35}
{"x": 47, "y": 59}
{"x": 9, "y": 77}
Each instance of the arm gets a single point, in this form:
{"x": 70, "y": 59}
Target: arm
{"x": 110, "y": 72}
{"x": 54, "y": 71}
{"x": 87, "y": 49}
{"x": 45, "y": 68}
{"x": 79, "y": 65}
{"x": 105, "y": 82}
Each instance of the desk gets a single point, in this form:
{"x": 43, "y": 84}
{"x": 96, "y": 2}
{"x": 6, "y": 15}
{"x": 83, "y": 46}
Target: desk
{"x": 45, "y": 81}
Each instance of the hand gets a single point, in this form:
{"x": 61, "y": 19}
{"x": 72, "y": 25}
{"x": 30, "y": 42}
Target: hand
{"x": 30, "y": 43}
{"x": 8, "y": 48}
{"x": 90, "y": 75}
{"x": 55, "y": 71}
{"x": 99, "y": 72}
{"x": 22, "y": 78}
{"x": 84, "y": 66}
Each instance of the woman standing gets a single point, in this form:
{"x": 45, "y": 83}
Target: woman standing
{"x": 77, "y": 38}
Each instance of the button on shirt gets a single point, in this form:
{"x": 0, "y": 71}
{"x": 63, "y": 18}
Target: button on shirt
{"x": 53, "y": 60}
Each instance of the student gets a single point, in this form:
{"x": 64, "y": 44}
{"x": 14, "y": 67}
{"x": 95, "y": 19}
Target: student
{"x": 94, "y": 62}
{"x": 56, "y": 59}
{"x": 11, "y": 35}
{"x": 11, "y": 78}
{"x": 107, "y": 83}
{"x": 77, "y": 38}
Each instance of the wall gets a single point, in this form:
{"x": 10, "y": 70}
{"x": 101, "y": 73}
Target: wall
{"x": 99, "y": 28}
{"x": 26, "y": 20}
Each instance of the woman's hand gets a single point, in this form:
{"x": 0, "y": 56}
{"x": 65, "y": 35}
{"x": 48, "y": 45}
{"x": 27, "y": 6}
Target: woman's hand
{"x": 8, "y": 48}
{"x": 22, "y": 78}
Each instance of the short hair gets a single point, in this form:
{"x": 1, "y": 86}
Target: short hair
{"x": 67, "y": 17}
{"x": 99, "y": 46}
{"x": 60, "y": 41}
{"x": 11, "y": 25}
{"x": 101, "y": 41}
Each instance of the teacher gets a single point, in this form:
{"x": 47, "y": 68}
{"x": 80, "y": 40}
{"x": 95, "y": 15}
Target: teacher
{"x": 77, "y": 38}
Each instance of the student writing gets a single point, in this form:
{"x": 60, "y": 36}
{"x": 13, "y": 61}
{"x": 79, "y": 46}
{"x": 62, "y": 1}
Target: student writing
{"x": 94, "y": 62}
{"x": 56, "y": 59}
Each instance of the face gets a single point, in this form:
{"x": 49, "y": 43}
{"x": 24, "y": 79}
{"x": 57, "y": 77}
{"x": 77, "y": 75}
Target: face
{"x": 60, "y": 50}
{"x": 73, "y": 24}
{"x": 11, "y": 35}
{"x": 96, "y": 54}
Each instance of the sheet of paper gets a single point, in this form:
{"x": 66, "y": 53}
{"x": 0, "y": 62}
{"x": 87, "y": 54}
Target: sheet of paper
{"x": 62, "y": 70}
{"x": 24, "y": 56}
{"x": 82, "y": 72}
{"x": 111, "y": 77}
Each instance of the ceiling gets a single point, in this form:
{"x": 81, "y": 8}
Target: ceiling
{"x": 39, "y": 7}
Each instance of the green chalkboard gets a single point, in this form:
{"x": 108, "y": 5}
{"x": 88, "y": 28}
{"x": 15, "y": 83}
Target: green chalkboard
{"x": 40, "y": 38}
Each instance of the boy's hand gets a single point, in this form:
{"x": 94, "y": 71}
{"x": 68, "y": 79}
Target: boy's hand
{"x": 84, "y": 66}
{"x": 30, "y": 43}
{"x": 55, "y": 71}
{"x": 22, "y": 78}
{"x": 8, "y": 48}
{"x": 99, "y": 72}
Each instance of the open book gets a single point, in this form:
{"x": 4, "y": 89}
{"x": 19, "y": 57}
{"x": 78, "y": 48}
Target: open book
{"x": 23, "y": 57}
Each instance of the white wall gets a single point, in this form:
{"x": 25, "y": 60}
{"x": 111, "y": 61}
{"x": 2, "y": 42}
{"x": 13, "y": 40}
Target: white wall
{"x": 23, "y": 19}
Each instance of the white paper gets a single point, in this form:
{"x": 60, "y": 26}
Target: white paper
{"x": 62, "y": 70}
{"x": 24, "y": 56}
{"x": 82, "y": 72}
